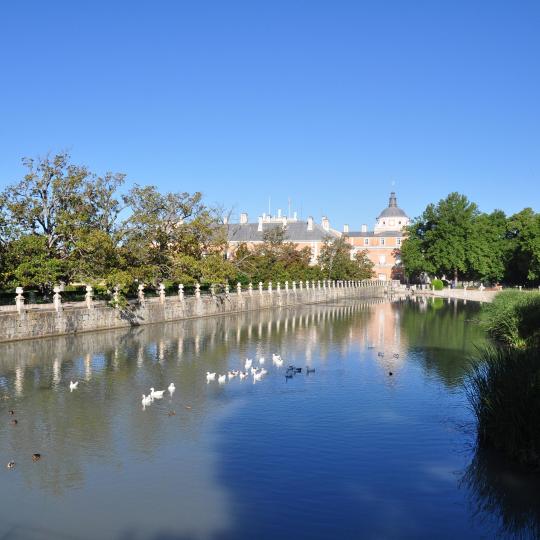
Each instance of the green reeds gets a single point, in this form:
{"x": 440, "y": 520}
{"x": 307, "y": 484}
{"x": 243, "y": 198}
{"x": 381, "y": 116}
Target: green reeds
{"x": 504, "y": 393}
{"x": 513, "y": 318}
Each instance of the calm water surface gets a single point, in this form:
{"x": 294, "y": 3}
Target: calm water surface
{"x": 346, "y": 452}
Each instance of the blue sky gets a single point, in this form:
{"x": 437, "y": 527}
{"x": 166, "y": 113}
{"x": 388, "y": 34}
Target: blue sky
{"x": 325, "y": 103}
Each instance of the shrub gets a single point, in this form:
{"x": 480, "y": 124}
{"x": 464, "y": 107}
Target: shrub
{"x": 504, "y": 393}
{"x": 437, "y": 284}
{"x": 513, "y": 318}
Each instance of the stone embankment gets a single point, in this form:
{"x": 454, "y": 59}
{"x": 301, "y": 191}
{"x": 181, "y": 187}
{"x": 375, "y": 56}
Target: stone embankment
{"x": 474, "y": 295}
{"x": 28, "y": 322}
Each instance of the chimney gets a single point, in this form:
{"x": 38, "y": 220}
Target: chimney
{"x": 309, "y": 223}
{"x": 325, "y": 223}
{"x": 345, "y": 228}
{"x": 363, "y": 228}
{"x": 243, "y": 218}
{"x": 259, "y": 228}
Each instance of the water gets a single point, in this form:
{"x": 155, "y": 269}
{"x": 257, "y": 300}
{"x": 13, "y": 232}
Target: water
{"x": 346, "y": 452}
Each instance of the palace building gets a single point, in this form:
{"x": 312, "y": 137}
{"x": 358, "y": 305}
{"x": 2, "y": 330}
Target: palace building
{"x": 382, "y": 243}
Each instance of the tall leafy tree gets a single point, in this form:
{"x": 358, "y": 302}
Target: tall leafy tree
{"x": 438, "y": 241}
{"x": 337, "y": 264}
{"x": 524, "y": 247}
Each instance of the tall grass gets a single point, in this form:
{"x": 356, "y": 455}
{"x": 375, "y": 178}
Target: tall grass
{"x": 513, "y": 318}
{"x": 504, "y": 393}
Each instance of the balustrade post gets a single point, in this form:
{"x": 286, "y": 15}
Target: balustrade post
{"x": 270, "y": 287}
{"x": 239, "y": 289}
{"x": 19, "y": 299}
{"x": 181, "y": 292}
{"x": 57, "y": 298}
{"x": 294, "y": 286}
{"x": 278, "y": 288}
{"x": 319, "y": 284}
{"x": 312, "y": 283}
{"x": 286, "y": 287}
{"x": 301, "y": 285}
{"x": 260, "y": 287}
{"x": 198, "y": 291}
{"x": 162, "y": 293}
{"x": 89, "y": 297}
{"x": 212, "y": 290}
{"x": 140, "y": 294}
{"x": 250, "y": 289}
{"x": 116, "y": 296}
{"x": 227, "y": 290}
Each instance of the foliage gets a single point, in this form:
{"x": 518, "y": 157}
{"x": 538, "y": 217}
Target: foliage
{"x": 336, "y": 262}
{"x": 513, "y": 318}
{"x": 437, "y": 284}
{"x": 524, "y": 247}
{"x": 504, "y": 393}
{"x": 437, "y": 241}
{"x": 456, "y": 239}
{"x": 275, "y": 259}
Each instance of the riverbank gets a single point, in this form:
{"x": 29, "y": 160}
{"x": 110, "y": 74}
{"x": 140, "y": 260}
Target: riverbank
{"x": 474, "y": 295}
{"x": 57, "y": 319}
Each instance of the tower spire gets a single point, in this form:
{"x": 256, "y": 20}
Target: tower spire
{"x": 392, "y": 203}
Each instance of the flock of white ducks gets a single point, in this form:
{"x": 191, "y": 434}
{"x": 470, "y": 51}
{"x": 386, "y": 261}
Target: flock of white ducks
{"x": 256, "y": 372}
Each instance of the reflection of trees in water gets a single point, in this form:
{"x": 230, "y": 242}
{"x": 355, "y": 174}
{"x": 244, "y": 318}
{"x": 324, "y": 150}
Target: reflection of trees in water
{"x": 446, "y": 332}
{"x": 94, "y": 423}
{"x": 501, "y": 492}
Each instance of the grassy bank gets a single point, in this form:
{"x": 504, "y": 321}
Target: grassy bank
{"x": 513, "y": 318}
{"x": 504, "y": 392}
{"x": 504, "y": 388}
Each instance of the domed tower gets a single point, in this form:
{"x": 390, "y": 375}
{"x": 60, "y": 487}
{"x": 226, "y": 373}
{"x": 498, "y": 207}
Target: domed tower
{"x": 392, "y": 218}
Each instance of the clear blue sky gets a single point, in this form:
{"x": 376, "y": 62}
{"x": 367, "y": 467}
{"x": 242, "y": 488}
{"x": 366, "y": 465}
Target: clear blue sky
{"x": 327, "y": 103}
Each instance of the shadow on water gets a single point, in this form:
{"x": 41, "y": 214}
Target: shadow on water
{"x": 503, "y": 493}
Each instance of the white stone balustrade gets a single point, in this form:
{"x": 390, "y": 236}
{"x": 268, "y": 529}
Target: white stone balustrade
{"x": 162, "y": 293}
{"x": 57, "y": 298}
{"x": 19, "y": 299}
{"x": 89, "y": 297}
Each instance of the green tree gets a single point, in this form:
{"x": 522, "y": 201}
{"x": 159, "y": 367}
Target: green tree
{"x": 487, "y": 250}
{"x": 336, "y": 262}
{"x": 438, "y": 241}
{"x": 524, "y": 247}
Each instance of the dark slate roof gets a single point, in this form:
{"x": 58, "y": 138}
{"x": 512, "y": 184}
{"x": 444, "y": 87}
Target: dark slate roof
{"x": 392, "y": 210}
{"x": 371, "y": 234}
{"x": 295, "y": 232}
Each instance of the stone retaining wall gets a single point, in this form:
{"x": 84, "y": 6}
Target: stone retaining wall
{"x": 54, "y": 320}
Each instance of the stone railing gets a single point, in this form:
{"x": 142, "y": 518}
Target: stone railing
{"x": 22, "y": 321}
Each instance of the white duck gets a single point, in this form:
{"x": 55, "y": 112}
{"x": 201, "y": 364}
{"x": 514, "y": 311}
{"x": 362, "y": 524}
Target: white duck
{"x": 156, "y": 394}
{"x": 222, "y": 379}
{"x": 73, "y": 385}
{"x": 146, "y": 400}
{"x": 243, "y": 375}
{"x": 210, "y": 376}
{"x": 231, "y": 375}
{"x": 248, "y": 363}
{"x": 277, "y": 361}
{"x": 257, "y": 376}
{"x": 171, "y": 388}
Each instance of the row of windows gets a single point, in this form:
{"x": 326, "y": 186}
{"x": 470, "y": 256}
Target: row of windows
{"x": 382, "y": 241}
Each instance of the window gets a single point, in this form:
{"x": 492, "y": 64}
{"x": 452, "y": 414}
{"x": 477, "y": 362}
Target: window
{"x": 366, "y": 241}
{"x": 382, "y": 259}
{"x": 398, "y": 241}
{"x": 381, "y": 241}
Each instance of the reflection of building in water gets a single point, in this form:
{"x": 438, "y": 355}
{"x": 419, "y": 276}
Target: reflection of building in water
{"x": 381, "y": 331}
